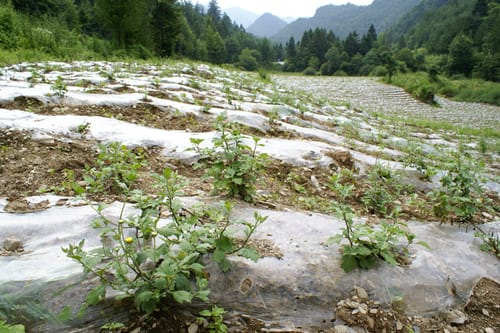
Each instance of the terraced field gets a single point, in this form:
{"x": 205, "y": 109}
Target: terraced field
{"x": 371, "y": 95}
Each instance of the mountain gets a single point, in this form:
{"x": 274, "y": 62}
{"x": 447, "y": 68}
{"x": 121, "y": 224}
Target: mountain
{"x": 266, "y": 25}
{"x": 346, "y": 18}
{"x": 411, "y": 19}
{"x": 241, "y": 16}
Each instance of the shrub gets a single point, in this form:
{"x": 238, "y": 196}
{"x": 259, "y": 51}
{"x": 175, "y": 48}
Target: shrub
{"x": 310, "y": 71}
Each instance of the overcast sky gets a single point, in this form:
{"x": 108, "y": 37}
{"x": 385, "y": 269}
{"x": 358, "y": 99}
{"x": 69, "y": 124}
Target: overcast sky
{"x": 283, "y": 8}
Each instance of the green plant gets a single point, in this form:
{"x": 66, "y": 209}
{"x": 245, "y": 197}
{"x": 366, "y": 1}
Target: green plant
{"x": 415, "y": 159}
{"x": 83, "y": 128}
{"x": 461, "y": 195}
{"x": 491, "y": 241}
{"x": 59, "y": 87}
{"x": 115, "y": 170}
{"x": 232, "y": 163}
{"x": 382, "y": 190}
{"x": 366, "y": 245}
{"x": 111, "y": 327}
{"x": 152, "y": 261}
{"x": 6, "y": 328}
{"x": 215, "y": 319}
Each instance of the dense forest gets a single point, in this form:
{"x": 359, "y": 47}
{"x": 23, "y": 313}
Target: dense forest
{"x": 454, "y": 37}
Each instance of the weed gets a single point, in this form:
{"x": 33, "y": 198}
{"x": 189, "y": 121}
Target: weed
{"x": 153, "y": 262}
{"x": 215, "y": 319}
{"x": 115, "y": 171}
{"x": 415, "y": 159}
{"x": 59, "y": 87}
{"x": 232, "y": 164}
{"x": 491, "y": 241}
{"x": 365, "y": 244}
{"x": 461, "y": 195}
{"x": 83, "y": 128}
{"x": 382, "y": 190}
{"x": 112, "y": 327}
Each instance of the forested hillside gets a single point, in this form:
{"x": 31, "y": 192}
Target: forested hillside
{"x": 347, "y": 18}
{"x": 68, "y": 29}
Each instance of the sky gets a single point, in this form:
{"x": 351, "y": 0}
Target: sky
{"x": 283, "y": 8}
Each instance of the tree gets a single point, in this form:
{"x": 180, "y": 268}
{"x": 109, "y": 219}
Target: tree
{"x": 351, "y": 44}
{"x": 291, "y": 55}
{"x": 460, "y": 57}
{"x": 214, "y": 12}
{"x": 215, "y": 45}
{"x": 166, "y": 26}
{"x": 266, "y": 52}
{"x": 247, "y": 61}
{"x": 127, "y": 20}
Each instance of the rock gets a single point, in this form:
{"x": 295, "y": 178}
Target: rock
{"x": 363, "y": 309}
{"x": 12, "y": 244}
{"x": 486, "y": 215}
{"x": 456, "y": 317}
{"x": 315, "y": 183}
{"x": 193, "y": 328}
{"x": 361, "y": 293}
{"x": 371, "y": 322}
{"x": 343, "y": 329}
{"x": 489, "y": 330}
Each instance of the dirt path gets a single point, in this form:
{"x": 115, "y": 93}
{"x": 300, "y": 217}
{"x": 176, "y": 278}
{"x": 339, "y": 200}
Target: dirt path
{"x": 370, "y": 95}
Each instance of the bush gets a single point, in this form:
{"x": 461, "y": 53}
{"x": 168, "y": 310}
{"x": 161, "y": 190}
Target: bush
{"x": 379, "y": 71}
{"x": 310, "y": 71}
{"x": 425, "y": 93}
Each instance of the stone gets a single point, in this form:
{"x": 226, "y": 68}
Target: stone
{"x": 12, "y": 244}
{"x": 489, "y": 330}
{"x": 363, "y": 309}
{"x": 371, "y": 322}
{"x": 456, "y": 317}
{"x": 193, "y": 328}
{"x": 361, "y": 293}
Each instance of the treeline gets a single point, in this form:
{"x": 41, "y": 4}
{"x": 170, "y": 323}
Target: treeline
{"x": 130, "y": 28}
{"x": 460, "y": 39}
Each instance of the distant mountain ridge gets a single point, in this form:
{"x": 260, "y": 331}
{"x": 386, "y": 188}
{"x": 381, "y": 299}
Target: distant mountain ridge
{"x": 241, "y": 16}
{"x": 266, "y": 25}
{"x": 343, "y": 19}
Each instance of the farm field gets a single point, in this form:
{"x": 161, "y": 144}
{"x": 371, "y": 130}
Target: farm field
{"x": 290, "y": 162}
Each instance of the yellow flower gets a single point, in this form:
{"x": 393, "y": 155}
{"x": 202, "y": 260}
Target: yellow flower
{"x": 129, "y": 240}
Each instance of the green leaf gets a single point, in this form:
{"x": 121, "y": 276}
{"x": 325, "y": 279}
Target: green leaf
{"x": 249, "y": 253}
{"x": 424, "y": 244}
{"x": 146, "y": 301}
{"x": 96, "y": 295}
{"x": 65, "y": 315}
{"x": 335, "y": 239}
{"x": 349, "y": 263}
{"x": 182, "y": 296}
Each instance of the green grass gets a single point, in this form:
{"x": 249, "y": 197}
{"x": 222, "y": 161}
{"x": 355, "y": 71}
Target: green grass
{"x": 466, "y": 90}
